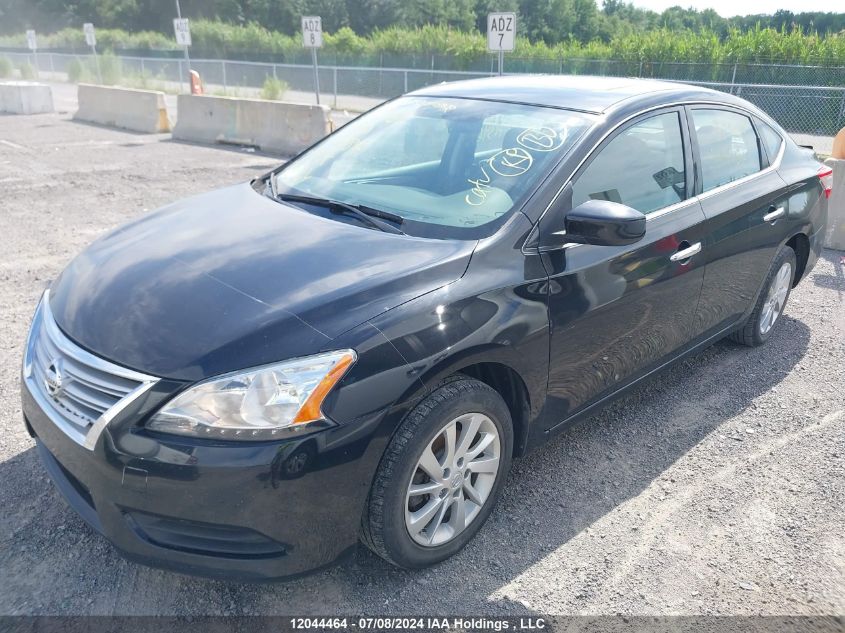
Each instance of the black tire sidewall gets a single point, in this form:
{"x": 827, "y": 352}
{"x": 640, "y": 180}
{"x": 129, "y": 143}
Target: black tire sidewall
{"x": 399, "y": 544}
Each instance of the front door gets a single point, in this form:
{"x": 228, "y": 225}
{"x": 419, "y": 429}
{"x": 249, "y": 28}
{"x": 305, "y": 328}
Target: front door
{"x": 617, "y": 312}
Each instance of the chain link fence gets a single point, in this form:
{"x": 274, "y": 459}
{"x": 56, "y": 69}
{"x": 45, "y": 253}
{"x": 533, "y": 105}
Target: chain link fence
{"x": 803, "y": 99}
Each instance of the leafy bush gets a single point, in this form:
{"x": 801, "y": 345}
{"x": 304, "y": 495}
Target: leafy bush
{"x": 6, "y": 67}
{"x": 78, "y": 72}
{"x": 111, "y": 71}
{"x": 27, "y": 71}
{"x": 273, "y": 89}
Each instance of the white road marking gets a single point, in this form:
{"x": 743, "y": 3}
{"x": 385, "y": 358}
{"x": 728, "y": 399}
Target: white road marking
{"x": 10, "y": 144}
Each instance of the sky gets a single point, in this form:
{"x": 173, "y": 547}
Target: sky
{"x": 729, "y": 8}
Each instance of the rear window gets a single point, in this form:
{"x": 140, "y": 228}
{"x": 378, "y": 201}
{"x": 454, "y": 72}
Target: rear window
{"x": 727, "y": 146}
{"x": 772, "y": 141}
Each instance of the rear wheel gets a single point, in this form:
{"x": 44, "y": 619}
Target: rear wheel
{"x": 440, "y": 475}
{"x": 771, "y": 302}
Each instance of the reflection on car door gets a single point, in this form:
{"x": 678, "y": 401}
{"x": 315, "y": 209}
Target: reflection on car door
{"x": 618, "y": 312}
{"x": 746, "y": 207}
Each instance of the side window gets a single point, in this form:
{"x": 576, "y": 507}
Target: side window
{"x": 642, "y": 167}
{"x": 728, "y": 146}
{"x": 771, "y": 140}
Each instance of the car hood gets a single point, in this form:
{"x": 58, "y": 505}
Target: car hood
{"x": 231, "y": 279}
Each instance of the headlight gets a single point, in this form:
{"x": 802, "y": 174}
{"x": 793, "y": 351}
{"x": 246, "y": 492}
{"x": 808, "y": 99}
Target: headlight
{"x": 255, "y": 404}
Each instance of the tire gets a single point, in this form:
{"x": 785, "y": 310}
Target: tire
{"x": 388, "y": 517}
{"x": 759, "y": 326}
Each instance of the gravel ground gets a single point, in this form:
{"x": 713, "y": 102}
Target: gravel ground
{"x": 716, "y": 489}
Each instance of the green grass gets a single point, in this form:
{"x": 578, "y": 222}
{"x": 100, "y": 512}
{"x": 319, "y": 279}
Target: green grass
{"x": 6, "y": 68}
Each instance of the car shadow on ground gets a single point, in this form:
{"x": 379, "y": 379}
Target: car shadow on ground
{"x": 552, "y": 496}
{"x": 835, "y": 281}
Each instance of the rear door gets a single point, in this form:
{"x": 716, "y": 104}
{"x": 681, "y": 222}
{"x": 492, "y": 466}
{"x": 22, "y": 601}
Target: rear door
{"x": 745, "y": 202}
{"x": 618, "y": 311}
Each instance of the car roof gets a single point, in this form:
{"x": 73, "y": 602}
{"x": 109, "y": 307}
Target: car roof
{"x": 574, "y": 92}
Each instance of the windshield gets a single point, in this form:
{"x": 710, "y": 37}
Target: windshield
{"x": 448, "y": 167}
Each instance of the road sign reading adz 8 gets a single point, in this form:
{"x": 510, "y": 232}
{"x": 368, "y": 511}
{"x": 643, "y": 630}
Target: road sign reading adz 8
{"x": 501, "y": 29}
{"x": 312, "y": 31}
{"x": 182, "y": 29}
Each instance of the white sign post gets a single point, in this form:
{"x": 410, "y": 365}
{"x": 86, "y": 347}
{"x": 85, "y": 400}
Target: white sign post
{"x": 91, "y": 40}
{"x": 32, "y": 44}
{"x": 312, "y": 37}
{"x": 182, "y": 30}
{"x": 501, "y": 35}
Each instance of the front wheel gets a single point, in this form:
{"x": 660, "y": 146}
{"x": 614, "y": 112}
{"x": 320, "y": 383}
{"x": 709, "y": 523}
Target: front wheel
{"x": 771, "y": 302}
{"x": 440, "y": 475}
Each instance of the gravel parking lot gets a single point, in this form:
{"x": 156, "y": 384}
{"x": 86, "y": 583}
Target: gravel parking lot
{"x": 718, "y": 488}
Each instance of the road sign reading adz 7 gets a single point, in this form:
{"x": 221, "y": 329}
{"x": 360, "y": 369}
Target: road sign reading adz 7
{"x": 501, "y": 31}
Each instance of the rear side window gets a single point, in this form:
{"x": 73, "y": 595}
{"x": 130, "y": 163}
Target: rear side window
{"x": 642, "y": 167}
{"x": 771, "y": 140}
{"x": 727, "y": 145}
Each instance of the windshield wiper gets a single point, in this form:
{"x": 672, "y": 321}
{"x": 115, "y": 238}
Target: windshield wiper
{"x": 372, "y": 217}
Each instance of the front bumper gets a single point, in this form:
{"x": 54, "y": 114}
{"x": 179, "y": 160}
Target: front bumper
{"x": 247, "y": 511}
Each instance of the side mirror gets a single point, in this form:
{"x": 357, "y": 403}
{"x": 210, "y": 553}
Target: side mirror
{"x": 604, "y": 223}
{"x": 598, "y": 222}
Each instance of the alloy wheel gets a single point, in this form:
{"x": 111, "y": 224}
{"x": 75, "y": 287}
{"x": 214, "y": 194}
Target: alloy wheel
{"x": 452, "y": 480}
{"x": 776, "y": 298}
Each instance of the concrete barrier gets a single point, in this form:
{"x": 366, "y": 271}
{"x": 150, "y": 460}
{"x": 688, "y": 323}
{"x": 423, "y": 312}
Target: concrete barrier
{"x": 136, "y": 110}
{"x": 835, "y": 237}
{"x": 25, "y": 97}
{"x": 272, "y": 126}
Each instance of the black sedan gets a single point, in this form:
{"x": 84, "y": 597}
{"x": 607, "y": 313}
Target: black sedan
{"x": 356, "y": 345}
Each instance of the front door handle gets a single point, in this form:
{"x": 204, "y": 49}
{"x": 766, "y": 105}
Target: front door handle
{"x": 686, "y": 253}
{"x": 774, "y": 214}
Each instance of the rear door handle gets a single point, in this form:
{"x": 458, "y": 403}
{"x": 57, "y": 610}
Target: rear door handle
{"x": 774, "y": 214}
{"x": 686, "y": 253}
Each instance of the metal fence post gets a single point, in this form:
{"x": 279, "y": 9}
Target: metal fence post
{"x": 406, "y": 81}
{"x": 733, "y": 79}
{"x": 52, "y": 67}
{"x": 334, "y": 84}
{"x": 142, "y": 66}
{"x": 223, "y": 66}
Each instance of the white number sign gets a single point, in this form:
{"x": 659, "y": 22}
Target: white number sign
{"x": 90, "y": 37}
{"x": 182, "y": 28}
{"x": 501, "y": 31}
{"x": 312, "y": 31}
{"x": 31, "y": 42}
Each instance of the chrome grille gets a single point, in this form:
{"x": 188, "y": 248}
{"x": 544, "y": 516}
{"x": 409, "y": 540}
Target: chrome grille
{"x": 79, "y": 391}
